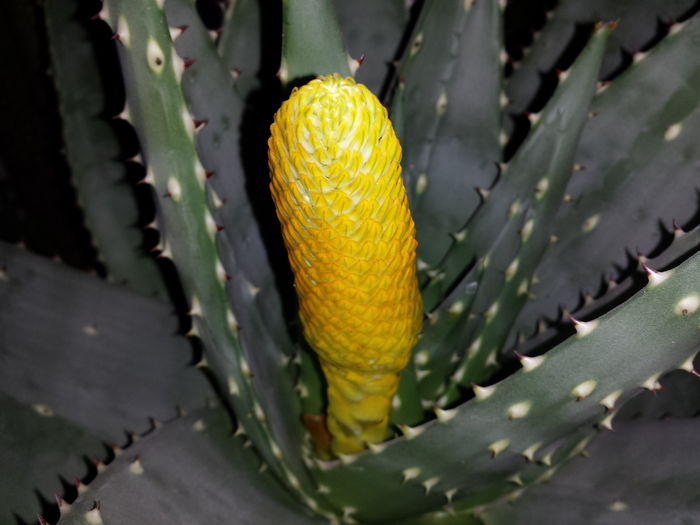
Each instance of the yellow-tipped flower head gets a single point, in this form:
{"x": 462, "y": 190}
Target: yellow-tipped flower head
{"x": 336, "y": 182}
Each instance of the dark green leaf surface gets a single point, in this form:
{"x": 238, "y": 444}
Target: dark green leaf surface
{"x": 639, "y": 23}
{"x": 646, "y": 472}
{"x": 312, "y": 44}
{"x": 447, "y": 115}
{"x": 81, "y": 362}
{"x": 37, "y": 451}
{"x": 528, "y": 192}
{"x": 546, "y": 161}
{"x": 92, "y": 150}
{"x": 166, "y": 131}
{"x": 190, "y": 471}
{"x": 242, "y": 43}
{"x": 372, "y": 31}
{"x": 640, "y": 158}
{"x": 252, "y": 287}
{"x": 103, "y": 357}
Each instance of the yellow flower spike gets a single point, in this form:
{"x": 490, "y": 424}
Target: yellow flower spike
{"x": 336, "y": 181}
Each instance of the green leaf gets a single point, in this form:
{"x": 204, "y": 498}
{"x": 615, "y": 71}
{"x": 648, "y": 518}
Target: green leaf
{"x": 448, "y": 118}
{"x": 644, "y": 472}
{"x": 243, "y": 41}
{"x": 38, "y": 451}
{"x": 83, "y": 362}
{"x": 545, "y": 162}
{"x": 107, "y": 198}
{"x": 373, "y": 32}
{"x": 246, "y": 243}
{"x": 192, "y": 470}
{"x": 639, "y": 154}
{"x": 166, "y": 132}
{"x": 312, "y": 43}
{"x": 639, "y": 23}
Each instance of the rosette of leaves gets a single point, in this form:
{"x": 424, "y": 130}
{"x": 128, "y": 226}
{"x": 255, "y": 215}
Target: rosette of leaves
{"x": 551, "y": 169}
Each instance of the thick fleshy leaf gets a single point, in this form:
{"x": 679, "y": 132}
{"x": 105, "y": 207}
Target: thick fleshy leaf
{"x": 312, "y": 44}
{"x": 166, "y": 131}
{"x": 446, "y": 112}
{"x": 639, "y": 23}
{"x": 373, "y": 31}
{"x": 640, "y": 174}
{"x": 83, "y": 362}
{"x": 103, "y": 357}
{"x": 108, "y": 200}
{"x": 39, "y": 451}
{"x": 244, "y": 42}
{"x": 249, "y": 243}
{"x": 192, "y": 470}
{"x": 644, "y": 472}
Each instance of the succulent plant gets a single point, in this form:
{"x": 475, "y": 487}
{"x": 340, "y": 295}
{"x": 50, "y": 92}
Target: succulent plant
{"x": 551, "y": 168}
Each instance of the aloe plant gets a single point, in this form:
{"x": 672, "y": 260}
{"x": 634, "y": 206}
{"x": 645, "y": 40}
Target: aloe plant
{"x": 550, "y": 165}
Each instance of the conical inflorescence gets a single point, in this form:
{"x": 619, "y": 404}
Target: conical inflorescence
{"x": 336, "y": 182}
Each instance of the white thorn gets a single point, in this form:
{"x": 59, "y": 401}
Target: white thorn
{"x": 422, "y": 374}
{"x": 519, "y": 410}
{"x": 456, "y": 308}
{"x": 527, "y": 230}
{"x": 541, "y": 187}
{"x": 136, "y": 467}
{"x": 512, "y": 268}
{"x": 347, "y": 513}
{"x": 583, "y": 328}
{"x": 498, "y": 446}
{"x": 652, "y": 383}
{"x": 529, "y": 452}
{"x": 687, "y": 365}
{"x": 233, "y": 388}
{"x": 530, "y": 363}
{"x": 474, "y": 347}
{"x": 618, "y": 506}
{"x": 428, "y": 484}
{"x": 445, "y": 415}
{"x": 516, "y": 479}
{"x": 376, "y": 448}
{"x": 93, "y": 517}
{"x": 688, "y": 305}
{"x": 154, "y": 56}
{"x": 411, "y": 432}
{"x": 606, "y": 422}
{"x": 583, "y": 390}
{"x": 174, "y": 188}
{"x": 491, "y": 359}
{"x": 610, "y": 400}
{"x": 655, "y": 278}
{"x": 673, "y": 131}
{"x": 441, "y": 104}
{"x": 410, "y": 473}
{"x": 483, "y": 392}
{"x": 421, "y": 358}
{"x": 347, "y": 459}
{"x": 547, "y": 459}
{"x": 196, "y": 308}
{"x": 123, "y": 31}
{"x": 421, "y": 183}
{"x": 590, "y": 223}
{"x": 42, "y": 410}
